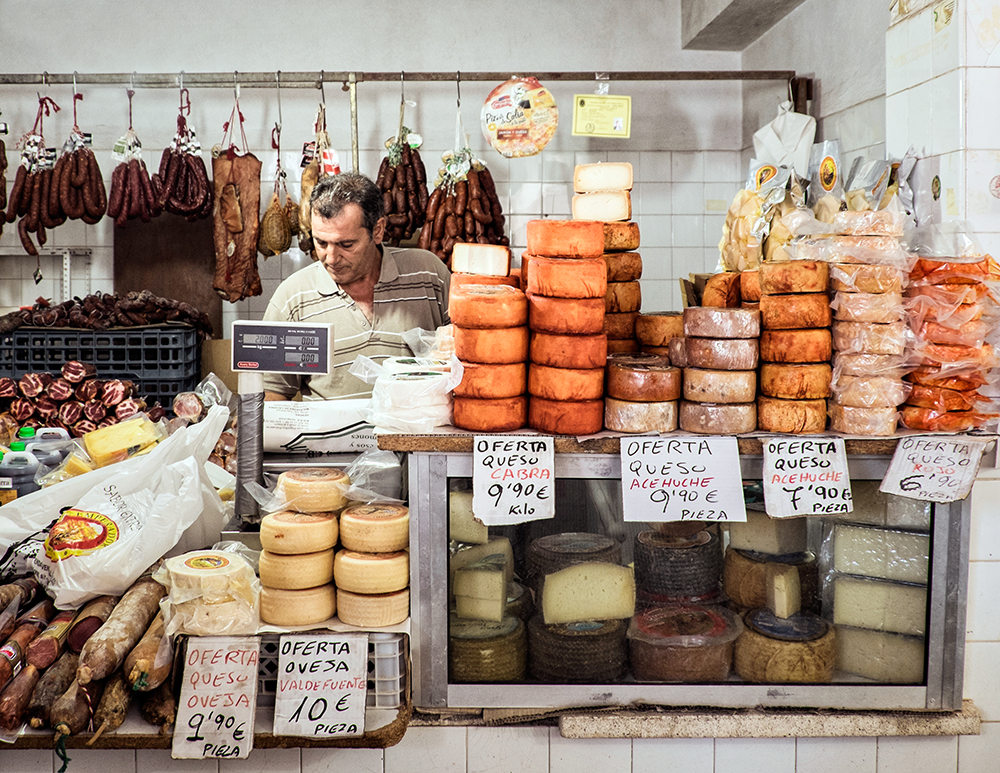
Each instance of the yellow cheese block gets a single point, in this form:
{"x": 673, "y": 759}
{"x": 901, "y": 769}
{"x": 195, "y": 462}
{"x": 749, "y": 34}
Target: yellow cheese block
{"x": 120, "y": 441}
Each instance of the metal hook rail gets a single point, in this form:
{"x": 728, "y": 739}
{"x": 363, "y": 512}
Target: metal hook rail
{"x": 349, "y": 80}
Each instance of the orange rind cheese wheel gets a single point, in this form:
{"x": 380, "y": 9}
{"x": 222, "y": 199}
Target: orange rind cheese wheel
{"x": 809, "y": 381}
{"x": 813, "y": 345}
{"x": 496, "y": 345}
{"x": 490, "y": 415}
{"x": 722, "y": 290}
{"x": 620, "y": 326}
{"x": 566, "y": 417}
{"x": 487, "y": 306}
{"x": 882, "y": 308}
{"x": 489, "y": 381}
{"x": 566, "y": 383}
{"x": 569, "y": 351}
{"x": 794, "y": 276}
{"x": 643, "y": 380}
{"x": 560, "y": 278}
{"x": 623, "y": 346}
{"x": 566, "y": 238}
{"x": 622, "y": 296}
{"x": 574, "y": 316}
{"x": 793, "y": 417}
{"x": 750, "y": 286}
{"x": 619, "y": 236}
{"x": 623, "y": 266}
{"x": 657, "y": 328}
{"x": 865, "y": 278}
{"x": 459, "y": 280}
{"x": 794, "y": 311}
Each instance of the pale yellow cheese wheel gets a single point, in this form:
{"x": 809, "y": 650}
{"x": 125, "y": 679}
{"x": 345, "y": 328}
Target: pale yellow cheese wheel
{"x": 279, "y": 606}
{"x": 375, "y": 528}
{"x": 373, "y": 610}
{"x": 369, "y": 573}
{"x": 313, "y": 489}
{"x": 289, "y": 532}
{"x": 291, "y": 572}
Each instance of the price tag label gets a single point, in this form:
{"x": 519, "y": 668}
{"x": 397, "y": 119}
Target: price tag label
{"x": 322, "y": 685}
{"x": 512, "y": 479}
{"x": 934, "y": 468}
{"x": 682, "y": 479}
{"x": 806, "y": 477}
{"x": 215, "y": 712}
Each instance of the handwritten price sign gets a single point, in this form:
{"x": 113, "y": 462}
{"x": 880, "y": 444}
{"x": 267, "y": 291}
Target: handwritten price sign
{"x": 682, "y": 479}
{"x": 934, "y": 468}
{"x": 512, "y": 479}
{"x": 215, "y": 713}
{"x": 322, "y": 685}
{"x": 806, "y": 477}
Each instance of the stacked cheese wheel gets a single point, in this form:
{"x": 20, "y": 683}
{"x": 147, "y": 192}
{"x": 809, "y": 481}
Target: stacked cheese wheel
{"x": 603, "y": 193}
{"x": 869, "y": 332}
{"x": 296, "y": 563}
{"x": 566, "y": 283}
{"x": 879, "y": 600}
{"x": 657, "y": 329}
{"x": 642, "y": 393}
{"x": 491, "y": 341}
{"x": 372, "y": 570}
{"x": 951, "y": 313}
{"x": 794, "y": 346}
{"x": 720, "y": 377}
{"x": 677, "y": 568}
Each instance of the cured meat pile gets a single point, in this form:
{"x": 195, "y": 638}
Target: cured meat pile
{"x": 101, "y": 311}
{"x": 79, "y": 672}
{"x": 402, "y": 179}
{"x": 463, "y": 208}
{"x": 75, "y": 400}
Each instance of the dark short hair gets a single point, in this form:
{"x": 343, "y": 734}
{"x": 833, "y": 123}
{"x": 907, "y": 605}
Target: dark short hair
{"x": 331, "y": 193}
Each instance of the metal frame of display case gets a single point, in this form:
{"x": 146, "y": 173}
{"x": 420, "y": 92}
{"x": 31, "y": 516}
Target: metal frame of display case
{"x": 428, "y": 489}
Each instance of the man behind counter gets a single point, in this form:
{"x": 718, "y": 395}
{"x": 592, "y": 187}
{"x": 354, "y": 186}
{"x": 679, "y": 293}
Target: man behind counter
{"x": 371, "y": 292}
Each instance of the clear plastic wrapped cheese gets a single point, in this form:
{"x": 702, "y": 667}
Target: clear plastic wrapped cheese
{"x": 848, "y": 420}
{"x": 942, "y": 399}
{"x": 876, "y": 250}
{"x": 683, "y": 643}
{"x": 394, "y": 391}
{"x": 707, "y": 322}
{"x": 209, "y": 593}
{"x": 931, "y": 420}
{"x": 880, "y": 222}
{"x": 885, "y": 554}
{"x": 870, "y": 391}
{"x": 866, "y": 278}
{"x": 721, "y": 353}
{"x": 312, "y": 489}
{"x": 883, "y": 308}
{"x": 864, "y": 364}
{"x": 870, "y": 338}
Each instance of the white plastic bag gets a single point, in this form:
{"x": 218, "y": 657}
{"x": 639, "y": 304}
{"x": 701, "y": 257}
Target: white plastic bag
{"x": 123, "y": 517}
{"x": 787, "y": 140}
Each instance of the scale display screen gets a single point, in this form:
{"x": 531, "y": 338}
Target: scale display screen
{"x": 282, "y": 347}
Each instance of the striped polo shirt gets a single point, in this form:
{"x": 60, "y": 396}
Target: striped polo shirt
{"x": 412, "y": 291}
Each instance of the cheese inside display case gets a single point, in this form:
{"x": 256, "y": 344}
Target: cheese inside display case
{"x": 860, "y": 610}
